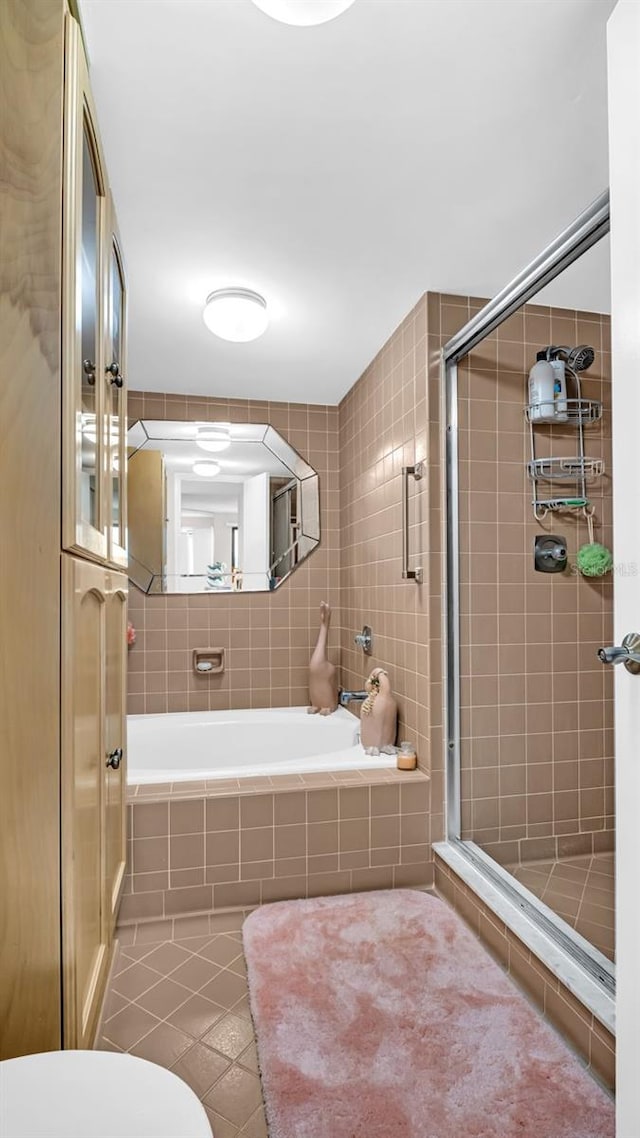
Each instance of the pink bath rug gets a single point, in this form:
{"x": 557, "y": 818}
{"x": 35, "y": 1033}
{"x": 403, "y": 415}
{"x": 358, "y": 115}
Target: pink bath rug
{"x": 379, "y": 1015}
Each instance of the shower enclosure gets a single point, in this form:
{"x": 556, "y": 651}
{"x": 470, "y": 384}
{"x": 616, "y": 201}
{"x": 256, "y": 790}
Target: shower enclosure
{"x": 529, "y": 704}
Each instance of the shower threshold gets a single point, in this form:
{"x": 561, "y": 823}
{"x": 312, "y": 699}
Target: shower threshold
{"x": 583, "y": 969}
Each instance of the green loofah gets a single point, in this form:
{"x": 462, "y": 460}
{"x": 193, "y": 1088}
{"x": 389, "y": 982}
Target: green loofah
{"x": 594, "y": 560}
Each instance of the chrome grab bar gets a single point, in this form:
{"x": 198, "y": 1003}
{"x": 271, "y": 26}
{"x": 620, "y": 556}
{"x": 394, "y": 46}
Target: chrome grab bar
{"x": 416, "y": 473}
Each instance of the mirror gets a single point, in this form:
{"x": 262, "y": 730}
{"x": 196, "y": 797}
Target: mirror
{"x": 217, "y": 507}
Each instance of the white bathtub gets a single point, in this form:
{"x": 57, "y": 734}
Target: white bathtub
{"x": 235, "y": 744}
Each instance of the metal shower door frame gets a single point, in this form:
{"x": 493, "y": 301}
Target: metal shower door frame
{"x": 588, "y": 228}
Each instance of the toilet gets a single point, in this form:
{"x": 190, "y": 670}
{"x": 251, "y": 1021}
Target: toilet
{"x": 96, "y": 1094}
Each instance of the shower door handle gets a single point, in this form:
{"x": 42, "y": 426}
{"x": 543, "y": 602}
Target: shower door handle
{"x": 414, "y": 472}
{"x": 628, "y": 654}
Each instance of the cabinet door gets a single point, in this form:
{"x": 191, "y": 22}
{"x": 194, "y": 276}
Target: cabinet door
{"x": 115, "y": 746}
{"x": 85, "y": 943}
{"x": 115, "y": 373}
{"x": 84, "y": 438}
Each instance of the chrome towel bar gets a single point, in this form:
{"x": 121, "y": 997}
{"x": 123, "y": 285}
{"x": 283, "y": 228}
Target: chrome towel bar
{"x": 414, "y": 472}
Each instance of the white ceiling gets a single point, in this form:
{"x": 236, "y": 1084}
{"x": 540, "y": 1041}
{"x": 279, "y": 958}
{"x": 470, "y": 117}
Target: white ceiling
{"x": 340, "y": 170}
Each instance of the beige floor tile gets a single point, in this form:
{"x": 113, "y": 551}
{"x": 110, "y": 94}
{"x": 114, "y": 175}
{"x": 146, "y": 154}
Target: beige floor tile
{"x": 185, "y": 1006}
{"x": 256, "y": 1127}
{"x": 222, "y": 950}
{"x": 201, "y": 1068}
{"x": 163, "y": 1045}
{"x": 225, "y": 989}
{"x": 230, "y": 1036}
{"x": 236, "y": 1096}
{"x": 196, "y": 1016}
{"x": 164, "y": 998}
{"x": 127, "y": 1027}
{"x": 166, "y": 958}
{"x": 134, "y": 981}
{"x": 221, "y": 1127}
{"x": 249, "y": 1058}
{"x": 195, "y": 973}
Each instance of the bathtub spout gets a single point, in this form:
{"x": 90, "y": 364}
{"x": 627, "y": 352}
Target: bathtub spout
{"x": 347, "y": 697}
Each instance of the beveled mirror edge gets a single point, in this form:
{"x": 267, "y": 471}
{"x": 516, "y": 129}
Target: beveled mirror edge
{"x": 307, "y": 478}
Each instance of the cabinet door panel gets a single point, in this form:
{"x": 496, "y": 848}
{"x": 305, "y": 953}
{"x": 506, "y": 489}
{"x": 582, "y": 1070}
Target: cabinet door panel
{"x": 83, "y": 303}
{"x": 85, "y": 945}
{"x": 115, "y": 742}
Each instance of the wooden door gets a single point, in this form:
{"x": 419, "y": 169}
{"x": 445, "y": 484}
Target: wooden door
{"x": 115, "y": 747}
{"x": 85, "y": 593}
{"x": 31, "y": 49}
{"x": 84, "y": 438}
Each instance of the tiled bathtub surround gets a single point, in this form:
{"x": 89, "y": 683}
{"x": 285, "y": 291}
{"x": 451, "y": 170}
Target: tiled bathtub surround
{"x": 267, "y": 636}
{"x": 210, "y": 852}
{"x": 537, "y": 705}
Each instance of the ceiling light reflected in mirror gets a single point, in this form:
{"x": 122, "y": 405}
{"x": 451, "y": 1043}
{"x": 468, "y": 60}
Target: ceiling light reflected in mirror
{"x": 214, "y": 439}
{"x": 206, "y": 469}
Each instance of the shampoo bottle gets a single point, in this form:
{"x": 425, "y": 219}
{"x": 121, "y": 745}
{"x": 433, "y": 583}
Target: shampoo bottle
{"x": 542, "y": 381}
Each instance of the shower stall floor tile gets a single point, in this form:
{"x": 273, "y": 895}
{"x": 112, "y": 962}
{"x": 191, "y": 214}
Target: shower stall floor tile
{"x": 578, "y": 889}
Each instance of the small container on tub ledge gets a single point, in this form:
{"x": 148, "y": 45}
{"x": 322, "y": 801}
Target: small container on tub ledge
{"x": 407, "y": 757}
{"x": 208, "y": 661}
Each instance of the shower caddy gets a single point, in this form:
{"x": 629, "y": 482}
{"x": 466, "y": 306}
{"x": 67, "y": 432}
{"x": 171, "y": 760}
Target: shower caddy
{"x": 575, "y": 469}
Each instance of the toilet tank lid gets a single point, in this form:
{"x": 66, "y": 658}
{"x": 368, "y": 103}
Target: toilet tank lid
{"x": 96, "y": 1094}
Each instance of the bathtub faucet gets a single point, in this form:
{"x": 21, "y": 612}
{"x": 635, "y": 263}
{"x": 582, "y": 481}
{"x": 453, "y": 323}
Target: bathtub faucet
{"x": 347, "y": 697}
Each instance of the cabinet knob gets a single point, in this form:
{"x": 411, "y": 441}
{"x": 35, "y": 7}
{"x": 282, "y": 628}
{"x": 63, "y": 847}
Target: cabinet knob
{"x": 114, "y": 758}
{"x": 89, "y": 369}
{"x": 113, "y": 370}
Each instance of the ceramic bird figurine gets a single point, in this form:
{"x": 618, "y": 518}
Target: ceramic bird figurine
{"x": 379, "y": 712}
{"x": 323, "y": 675}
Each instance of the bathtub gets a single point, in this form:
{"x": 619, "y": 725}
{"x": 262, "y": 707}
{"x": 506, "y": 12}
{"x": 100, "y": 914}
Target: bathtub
{"x": 234, "y": 744}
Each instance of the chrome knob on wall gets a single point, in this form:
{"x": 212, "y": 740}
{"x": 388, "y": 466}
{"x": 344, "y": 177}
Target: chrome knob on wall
{"x": 628, "y": 653}
{"x": 364, "y": 639}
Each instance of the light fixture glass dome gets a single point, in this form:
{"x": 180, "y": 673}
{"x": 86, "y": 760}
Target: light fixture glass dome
{"x": 236, "y": 314}
{"x": 303, "y": 13}
{"x": 214, "y": 439}
{"x": 206, "y": 469}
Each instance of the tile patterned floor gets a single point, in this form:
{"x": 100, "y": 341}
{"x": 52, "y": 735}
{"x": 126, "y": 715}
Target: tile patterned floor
{"x": 578, "y": 889}
{"x": 183, "y": 1003}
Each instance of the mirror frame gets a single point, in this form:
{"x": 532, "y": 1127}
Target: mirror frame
{"x": 143, "y": 432}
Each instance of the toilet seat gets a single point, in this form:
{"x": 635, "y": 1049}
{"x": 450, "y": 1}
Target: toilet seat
{"x": 96, "y": 1094}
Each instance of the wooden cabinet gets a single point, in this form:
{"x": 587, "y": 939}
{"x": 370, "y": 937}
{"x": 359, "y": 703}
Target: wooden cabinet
{"x": 94, "y": 596}
{"x": 62, "y": 475}
{"x": 93, "y": 745}
{"x": 93, "y": 332}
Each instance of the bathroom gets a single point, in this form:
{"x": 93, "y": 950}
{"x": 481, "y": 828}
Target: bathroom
{"x": 193, "y": 844}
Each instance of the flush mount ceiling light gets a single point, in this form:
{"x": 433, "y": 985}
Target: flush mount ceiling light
{"x": 236, "y": 314}
{"x": 206, "y": 469}
{"x": 303, "y": 13}
{"x": 214, "y": 439}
